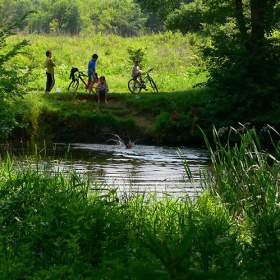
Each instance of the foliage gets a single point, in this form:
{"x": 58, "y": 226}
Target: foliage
{"x": 122, "y": 18}
{"x": 242, "y": 58}
{"x": 187, "y": 18}
{"x": 12, "y": 11}
{"x": 179, "y": 117}
{"x": 81, "y": 228}
{"x": 13, "y": 77}
{"x": 62, "y": 16}
{"x": 184, "y": 70}
{"x": 162, "y": 7}
{"x": 44, "y": 116}
{"x": 255, "y": 82}
{"x": 245, "y": 177}
{"x": 136, "y": 54}
{"x": 242, "y": 52}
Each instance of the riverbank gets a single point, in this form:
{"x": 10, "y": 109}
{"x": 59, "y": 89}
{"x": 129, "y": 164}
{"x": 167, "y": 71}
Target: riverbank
{"x": 153, "y": 118}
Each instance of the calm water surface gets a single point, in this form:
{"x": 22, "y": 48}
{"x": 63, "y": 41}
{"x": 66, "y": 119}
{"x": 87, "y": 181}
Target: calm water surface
{"x": 141, "y": 168}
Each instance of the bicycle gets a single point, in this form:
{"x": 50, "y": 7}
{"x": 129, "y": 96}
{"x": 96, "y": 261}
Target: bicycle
{"x": 74, "y": 84}
{"x": 135, "y": 86}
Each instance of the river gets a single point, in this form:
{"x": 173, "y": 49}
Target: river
{"x": 142, "y": 168}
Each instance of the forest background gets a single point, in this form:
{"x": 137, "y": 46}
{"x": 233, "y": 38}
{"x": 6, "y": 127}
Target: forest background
{"x": 219, "y": 59}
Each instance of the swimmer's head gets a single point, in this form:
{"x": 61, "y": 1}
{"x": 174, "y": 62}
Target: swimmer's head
{"x": 128, "y": 143}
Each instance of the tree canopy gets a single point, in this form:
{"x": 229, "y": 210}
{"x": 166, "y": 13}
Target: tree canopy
{"x": 240, "y": 49}
{"x": 73, "y": 17}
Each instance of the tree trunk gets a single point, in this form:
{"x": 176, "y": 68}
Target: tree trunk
{"x": 241, "y": 23}
{"x": 257, "y": 24}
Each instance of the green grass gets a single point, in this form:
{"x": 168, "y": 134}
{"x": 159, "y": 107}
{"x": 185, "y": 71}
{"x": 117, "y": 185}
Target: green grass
{"x": 173, "y": 115}
{"x": 58, "y": 226}
{"x": 166, "y": 114}
{"x": 176, "y": 64}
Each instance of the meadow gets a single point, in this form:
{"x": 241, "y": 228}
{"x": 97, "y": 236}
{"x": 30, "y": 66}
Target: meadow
{"x": 174, "y": 57}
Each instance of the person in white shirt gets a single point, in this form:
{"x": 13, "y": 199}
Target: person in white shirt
{"x": 102, "y": 88}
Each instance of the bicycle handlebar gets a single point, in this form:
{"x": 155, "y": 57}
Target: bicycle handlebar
{"x": 148, "y": 71}
{"x": 82, "y": 73}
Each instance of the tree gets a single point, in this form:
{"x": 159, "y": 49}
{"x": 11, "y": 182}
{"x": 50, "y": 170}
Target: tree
{"x": 161, "y": 7}
{"x": 187, "y": 18}
{"x": 242, "y": 56}
{"x": 120, "y": 17}
{"x": 66, "y": 15}
{"x": 13, "y": 77}
{"x": 11, "y": 11}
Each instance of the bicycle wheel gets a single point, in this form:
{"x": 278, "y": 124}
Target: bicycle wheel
{"x": 134, "y": 86}
{"x": 154, "y": 86}
{"x": 73, "y": 86}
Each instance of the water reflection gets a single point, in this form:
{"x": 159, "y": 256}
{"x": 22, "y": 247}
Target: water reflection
{"x": 142, "y": 168}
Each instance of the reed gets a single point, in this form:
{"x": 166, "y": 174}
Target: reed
{"x": 56, "y": 224}
{"x": 245, "y": 177}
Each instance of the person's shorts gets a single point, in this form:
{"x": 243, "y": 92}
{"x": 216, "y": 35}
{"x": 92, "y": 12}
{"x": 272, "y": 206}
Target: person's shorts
{"x": 101, "y": 91}
{"x": 92, "y": 78}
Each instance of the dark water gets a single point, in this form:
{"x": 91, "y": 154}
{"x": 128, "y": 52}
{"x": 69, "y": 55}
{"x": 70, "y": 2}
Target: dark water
{"x": 141, "y": 168}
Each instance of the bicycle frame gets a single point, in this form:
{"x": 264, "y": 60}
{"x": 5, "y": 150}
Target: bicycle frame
{"x": 136, "y": 85}
{"x": 147, "y": 78}
{"x": 74, "y": 84}
{"x": 80, "y": 75}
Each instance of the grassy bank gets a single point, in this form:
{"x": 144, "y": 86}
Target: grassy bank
{"x": 169, "y": 117}
{"x": 59, "y": 226}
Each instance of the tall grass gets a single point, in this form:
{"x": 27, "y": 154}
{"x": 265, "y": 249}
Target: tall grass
{"x": 59, "y": 226}
{"x": 245, "y": 177}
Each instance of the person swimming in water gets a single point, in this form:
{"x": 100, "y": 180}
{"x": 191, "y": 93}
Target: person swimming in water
{"x": 128, "y": 143}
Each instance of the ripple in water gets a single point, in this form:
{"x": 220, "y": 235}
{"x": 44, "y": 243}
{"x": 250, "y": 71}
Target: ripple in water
{"x": 141, "y": 168}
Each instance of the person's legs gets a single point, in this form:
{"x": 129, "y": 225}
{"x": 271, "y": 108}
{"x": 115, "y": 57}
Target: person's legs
{"x": 47, "y": 83}
{"x": 98, "y": 96}
{"x": 106, "y": 94}
{"x": 50, "y": 82}
{"x": 140, "y": 78}
{"x": 102, "y": 94}
{"x": 91, "y": 84}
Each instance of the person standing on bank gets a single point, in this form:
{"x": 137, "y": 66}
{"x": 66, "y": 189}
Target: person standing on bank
{"x": 92, "y": 71}
{"x": 49, "y": 64}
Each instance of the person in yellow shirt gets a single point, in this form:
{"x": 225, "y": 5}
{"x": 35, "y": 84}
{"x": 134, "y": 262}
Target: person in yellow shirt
{"x": 49, "y": 64}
